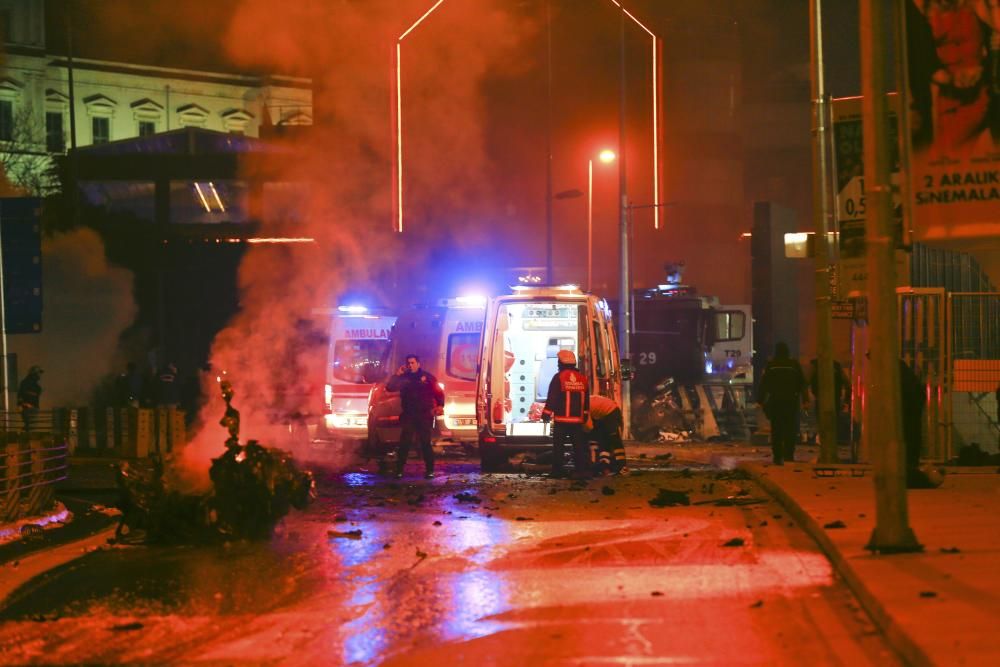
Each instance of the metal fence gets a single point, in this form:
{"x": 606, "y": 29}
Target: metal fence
{"x": 974, "y": 365}
{"x": 31, "y": 465}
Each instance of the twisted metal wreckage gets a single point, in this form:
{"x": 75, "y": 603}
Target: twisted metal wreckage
{"x": 253, "y": 487}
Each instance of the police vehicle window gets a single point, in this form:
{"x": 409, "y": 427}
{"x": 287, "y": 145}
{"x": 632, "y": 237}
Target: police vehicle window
{"x": 463, "y": 355}
{"x": 351, "y": 356}
{"x": 730, "y": 325}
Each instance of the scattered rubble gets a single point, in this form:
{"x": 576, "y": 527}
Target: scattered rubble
{"x": 734, "y": 542}
{"x": 668, "y": 498}
{"x": 835, "y": 524}
{"x": 349, "y": 534}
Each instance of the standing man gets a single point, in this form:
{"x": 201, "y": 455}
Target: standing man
{"x": 568, "y": 407}
{"x": 29, "y": 395}
{"x": 606, "y": 426}
{"x": 781, "y": 393}
{"x": 422, "y": 399}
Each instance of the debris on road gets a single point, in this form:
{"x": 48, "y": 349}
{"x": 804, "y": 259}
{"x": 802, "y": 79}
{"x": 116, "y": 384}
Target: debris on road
{"x": 950, "y": 550}
{"x": 607, "y": 491}
{"x": 757, "y": 605}
{"x": 466, "y": 497}
{"x": 668, "y": 498}
{"x": 835, "y": 524}
{"x": 735, "y": 542}
{"x": 349, "y": 534}
{"x": 126, "y": 627}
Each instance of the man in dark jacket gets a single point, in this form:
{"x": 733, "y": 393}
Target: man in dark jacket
{"x": 568, "y": 407}
{"x": 29, "y": 396}
{"x": 422, "y": 399}
{"x": 781, "y": 393}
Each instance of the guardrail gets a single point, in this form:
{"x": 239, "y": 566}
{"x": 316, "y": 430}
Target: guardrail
{"x": 30, "y": 466}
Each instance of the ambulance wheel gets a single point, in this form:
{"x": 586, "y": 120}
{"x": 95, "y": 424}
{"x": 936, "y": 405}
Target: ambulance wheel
{"x": 491, "y": 459}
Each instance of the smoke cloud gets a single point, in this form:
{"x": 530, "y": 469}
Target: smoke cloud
{"x": 273, "y": 355}
{"x": 87, "y": 305}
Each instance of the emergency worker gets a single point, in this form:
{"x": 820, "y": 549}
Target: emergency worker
{"x": 781, "y": 393}
{"x": 29, "y": 395}
{"x": 605, "y": 427}
{"x": 567, "y": 406}
{"x": 422, "y": 399}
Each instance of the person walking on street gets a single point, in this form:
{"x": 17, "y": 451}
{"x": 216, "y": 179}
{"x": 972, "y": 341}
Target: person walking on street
{"x": 605, "y": 427}
{"x": 29, "y": 396}
{"x": 167, "y": 388}
{"x": 567, "y": 406}
{"x": 781, "y": 393}
{"x": 422, "y": 399}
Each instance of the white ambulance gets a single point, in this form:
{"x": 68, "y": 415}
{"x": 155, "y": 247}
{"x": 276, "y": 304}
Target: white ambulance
{"x": 359, "y": 343}
{"x": 446, "y": 337}
{"x": 523, "y": 335}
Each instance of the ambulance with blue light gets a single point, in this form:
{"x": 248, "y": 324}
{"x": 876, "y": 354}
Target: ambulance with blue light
{"x": 523, "y": 335}
{"x": 446, "y": 336}
{"x": 359, "y": 344}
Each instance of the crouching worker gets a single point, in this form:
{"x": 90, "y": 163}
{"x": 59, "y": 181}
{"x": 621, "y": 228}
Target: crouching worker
{"x": 606, "y": 430}
{"x": 567, "y": 406}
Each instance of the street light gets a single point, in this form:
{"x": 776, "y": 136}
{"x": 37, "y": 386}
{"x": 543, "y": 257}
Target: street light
{"x": 607, "y": 156}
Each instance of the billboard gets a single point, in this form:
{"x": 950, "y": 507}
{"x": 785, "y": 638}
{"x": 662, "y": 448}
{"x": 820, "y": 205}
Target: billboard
{"x": 20, "y": 230}
{"x": 851, "y": 209}
{"x": 954, "y": 81}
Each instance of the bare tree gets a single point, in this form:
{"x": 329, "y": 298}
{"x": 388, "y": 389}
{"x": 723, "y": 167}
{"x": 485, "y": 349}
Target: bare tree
{"x": 23, "y": 157}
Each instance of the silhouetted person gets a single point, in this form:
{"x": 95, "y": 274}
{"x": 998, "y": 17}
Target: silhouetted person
{"x": 781, "y": 392}
{"x": 29, "y": 396}
{"x": 422, "y": 399}
{"x": 912, "y": 395}
{"x": 167, "y": 387}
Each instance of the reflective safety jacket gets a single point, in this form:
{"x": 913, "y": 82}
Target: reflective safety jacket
{"x": 568, "y": 401}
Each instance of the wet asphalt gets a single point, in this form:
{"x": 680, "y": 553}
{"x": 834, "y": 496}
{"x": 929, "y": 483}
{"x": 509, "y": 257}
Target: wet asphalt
{"x": 668, "y": 565}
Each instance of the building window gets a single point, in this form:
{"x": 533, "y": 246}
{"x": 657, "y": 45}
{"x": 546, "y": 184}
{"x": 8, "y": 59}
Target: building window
{"x": 101, "y": 130}
{"x": 6, "y": 120}
{"x": 147, "y": 128}
{"x": 55, "y": 140}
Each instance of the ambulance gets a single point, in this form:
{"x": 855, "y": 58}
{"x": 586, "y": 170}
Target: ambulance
{"x": 524, "y": 332}
{"x": 359, "y": 344}
{"x": 446, "y": 336}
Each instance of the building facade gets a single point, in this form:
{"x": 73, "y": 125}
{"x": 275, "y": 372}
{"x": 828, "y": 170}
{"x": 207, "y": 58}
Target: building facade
{"x": 41, "y": 112}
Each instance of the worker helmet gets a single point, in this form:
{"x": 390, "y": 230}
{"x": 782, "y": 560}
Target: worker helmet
{"x": 567, "y": 357}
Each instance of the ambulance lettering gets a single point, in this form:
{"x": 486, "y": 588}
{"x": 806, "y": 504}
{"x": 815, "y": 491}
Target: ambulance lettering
{"x": 469, "y": 327}
{"x": 367, "y": 333}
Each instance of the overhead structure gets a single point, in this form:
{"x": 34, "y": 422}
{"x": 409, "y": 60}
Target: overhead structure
{"x": 397, "y": 111}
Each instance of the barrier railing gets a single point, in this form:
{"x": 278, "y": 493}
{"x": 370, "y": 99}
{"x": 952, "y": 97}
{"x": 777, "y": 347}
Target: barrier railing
{"x": 30, "y": 467}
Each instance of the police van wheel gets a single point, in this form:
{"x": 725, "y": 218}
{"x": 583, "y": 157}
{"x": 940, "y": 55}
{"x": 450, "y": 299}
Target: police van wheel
{"x": 492, "y": 460}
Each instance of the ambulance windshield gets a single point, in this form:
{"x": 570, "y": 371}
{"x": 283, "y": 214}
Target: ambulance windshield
{"x": 463, "y": 355}
{"x": 352, "y": 358}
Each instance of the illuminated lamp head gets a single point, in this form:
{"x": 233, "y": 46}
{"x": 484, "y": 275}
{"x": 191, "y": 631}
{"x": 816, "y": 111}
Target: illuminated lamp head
{"x": 353, "y": 309}
{"x": 606, "y": 156}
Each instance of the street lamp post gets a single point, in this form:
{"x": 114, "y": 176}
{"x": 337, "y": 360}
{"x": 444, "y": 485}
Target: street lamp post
{"x": 607, "y": 156}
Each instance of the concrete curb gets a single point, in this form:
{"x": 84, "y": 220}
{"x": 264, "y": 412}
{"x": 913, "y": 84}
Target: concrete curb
{"x": 898, "y": 639}
{"x": 41, "y": 562}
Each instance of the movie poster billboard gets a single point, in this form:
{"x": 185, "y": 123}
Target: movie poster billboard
{"x": 954, "y": 81}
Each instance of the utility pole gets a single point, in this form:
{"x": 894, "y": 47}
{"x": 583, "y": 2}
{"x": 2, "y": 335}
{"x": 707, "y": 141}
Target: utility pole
{"x": 549, "y": 269}
{"x": 625, "y": 290}
{"x": 892, "y": 533}
{"x": 826, "y": 401}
